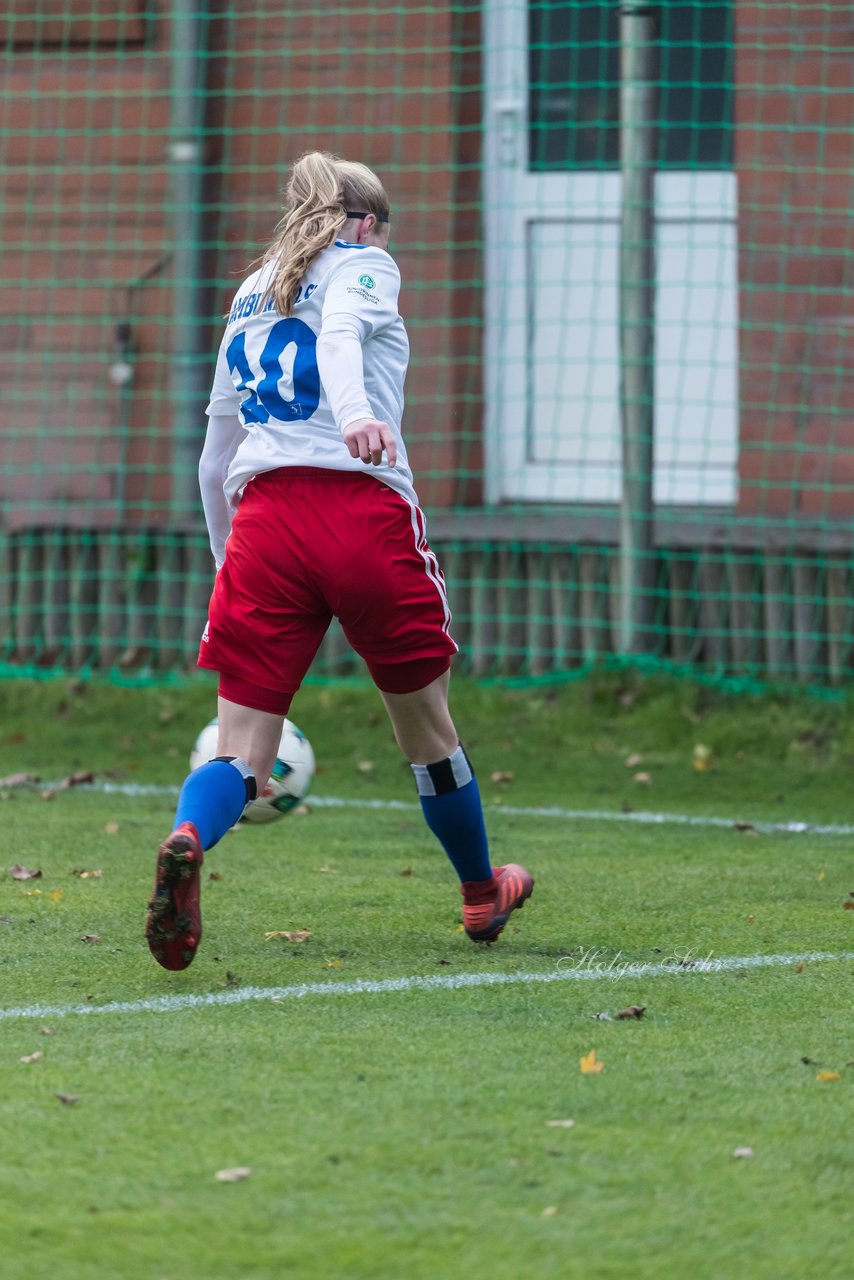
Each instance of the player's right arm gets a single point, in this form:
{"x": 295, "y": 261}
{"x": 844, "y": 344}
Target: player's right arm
{"x": 339, "y": 362}
{"x": 366, "y": 438}
{"x": 353, "y": 313}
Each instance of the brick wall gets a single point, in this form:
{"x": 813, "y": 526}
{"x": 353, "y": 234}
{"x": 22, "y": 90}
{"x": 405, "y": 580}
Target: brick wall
{"x": 795, "y": 158}
{"x": 88, "y": 228}
{"x": 83, "y": 121}
{"x": 88, "y": 231}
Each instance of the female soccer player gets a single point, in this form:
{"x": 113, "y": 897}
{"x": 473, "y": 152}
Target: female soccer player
{"x": 311, "y": 512}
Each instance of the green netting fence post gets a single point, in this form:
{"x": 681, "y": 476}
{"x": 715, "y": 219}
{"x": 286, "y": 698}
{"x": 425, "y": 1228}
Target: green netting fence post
{"x": 189, "y": 364}
{"x": 638, "y": 77}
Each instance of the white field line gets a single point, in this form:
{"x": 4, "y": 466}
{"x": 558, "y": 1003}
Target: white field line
{"x": 589, "y": 968}
{"x": 643, "y": 817}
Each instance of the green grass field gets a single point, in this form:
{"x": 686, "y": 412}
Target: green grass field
{"x": 404, "y": 1127}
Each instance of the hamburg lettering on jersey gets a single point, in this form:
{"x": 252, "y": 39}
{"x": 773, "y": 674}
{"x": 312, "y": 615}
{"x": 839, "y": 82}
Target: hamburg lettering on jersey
{"x": 250, "y": 304}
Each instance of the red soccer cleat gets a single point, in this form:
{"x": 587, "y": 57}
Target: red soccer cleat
{"x": 487, "y": 903}
{"x": 173, "y": 925}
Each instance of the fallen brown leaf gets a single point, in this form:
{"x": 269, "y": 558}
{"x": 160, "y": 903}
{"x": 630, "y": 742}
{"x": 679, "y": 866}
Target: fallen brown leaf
{"x": 366, "y": 766}
{"x": 20, "y": 780}
{"x": 47, "y": 1031}
{"x": 110, "y": 828}
{"x": 632, "y": 761}
{"x": 48, "y": 795}
{"x": 32, "y": 1057}
{"x": 589, "y": 1064}
{"x": 747, "y": 827}
{"x": 87, "y": 875}
{"x": 501, "y": 776}
{"x": 827, "y": 1076}
{"x": 848, "y": 905}
{"x": 24, "y": 873}
{"x": 743, "y": 1153}
{"x": 799, "y": 968}
{"x": 79, "y": 779}
{"x": 407, "y": 871}
{"x": 290, "y": 935}
{"x": 68, "y": 1099}
{"x": 233, "y": 1175}
{"x": 633, "y": 1011}
{"x": 90, "y": 937}
{"x": 215, "y": 875}
{"x": 549, "y": 1211}
{"x": 643, "y": 779}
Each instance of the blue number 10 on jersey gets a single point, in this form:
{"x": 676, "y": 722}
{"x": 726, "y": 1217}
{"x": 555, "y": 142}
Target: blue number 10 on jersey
{"x": 261, "y": 378}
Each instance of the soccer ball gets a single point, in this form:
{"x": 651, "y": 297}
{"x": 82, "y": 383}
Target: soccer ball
{"x": 289, "y": 782}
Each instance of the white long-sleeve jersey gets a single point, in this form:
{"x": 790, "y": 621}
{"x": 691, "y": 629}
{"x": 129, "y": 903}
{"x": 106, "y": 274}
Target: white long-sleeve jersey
{"x": 296, "y": 382}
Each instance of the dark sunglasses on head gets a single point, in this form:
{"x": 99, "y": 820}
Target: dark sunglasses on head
{"x": 380, "y": 217}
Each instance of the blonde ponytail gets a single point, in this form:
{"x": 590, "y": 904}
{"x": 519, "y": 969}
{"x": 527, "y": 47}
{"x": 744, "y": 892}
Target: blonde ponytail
{"x": 320, "y": 191}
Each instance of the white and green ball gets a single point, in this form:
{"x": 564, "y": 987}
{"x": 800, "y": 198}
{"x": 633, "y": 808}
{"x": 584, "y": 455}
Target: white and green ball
{"x": 289, "y": 782}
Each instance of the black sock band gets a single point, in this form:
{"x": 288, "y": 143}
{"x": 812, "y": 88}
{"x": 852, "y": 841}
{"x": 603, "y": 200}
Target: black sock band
{"x": 450, "y": 774}
{"x": 246, "y": 774}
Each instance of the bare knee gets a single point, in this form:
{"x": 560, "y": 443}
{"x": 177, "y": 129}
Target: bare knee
{"x": 252, "y": 735}
{"x": 422, "y": 722}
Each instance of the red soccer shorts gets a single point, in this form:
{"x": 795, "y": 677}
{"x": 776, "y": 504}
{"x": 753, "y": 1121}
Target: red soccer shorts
{"x": 308, "y": 545}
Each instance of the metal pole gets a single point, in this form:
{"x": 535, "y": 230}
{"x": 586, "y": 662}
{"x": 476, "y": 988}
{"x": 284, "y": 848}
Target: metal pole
{"x": 189, "y": 366}
{"x": 638, "y": 76}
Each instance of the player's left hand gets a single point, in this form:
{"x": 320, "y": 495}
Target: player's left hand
{"x": 367, "y": 438}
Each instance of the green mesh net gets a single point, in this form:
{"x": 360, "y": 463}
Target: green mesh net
{"x": 625, "y": 240}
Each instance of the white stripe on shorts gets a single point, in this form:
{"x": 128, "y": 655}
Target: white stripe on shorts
{"x": 431, "y": 564}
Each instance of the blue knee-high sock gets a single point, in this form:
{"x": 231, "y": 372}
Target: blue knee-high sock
{"x": 213, "y": 798}
{"x": 450, "y": 802}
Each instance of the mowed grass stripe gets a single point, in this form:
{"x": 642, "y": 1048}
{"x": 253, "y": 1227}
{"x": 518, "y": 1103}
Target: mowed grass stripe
{"x": 593, "y": 971}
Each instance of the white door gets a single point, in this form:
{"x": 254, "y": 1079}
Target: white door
{"x": 552, "y": 225}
